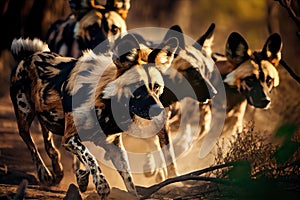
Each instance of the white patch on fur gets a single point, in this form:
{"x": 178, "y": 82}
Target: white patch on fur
{"x": 21, "y": 98}
{"x": 197, "y": 59}
{"x": 269, "y": 69}
{"x": 35, "y": 45}
{"x": 63, "y": 49}
{"x": 156, "y": 77}
{"x": 246, "y": 69}
{"x": 76, "y": 29}
{"x": 207, "y": 46}
{"x": 119, "y": 87}
{"x": 93, "y": 65}
{"x": 113, "y": 18}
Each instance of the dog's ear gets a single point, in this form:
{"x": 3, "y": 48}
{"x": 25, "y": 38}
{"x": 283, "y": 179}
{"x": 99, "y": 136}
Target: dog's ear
{"x": 236, "y": 49}
{"x": 163, "y": 55}
{"x": 206, "y": 40}
{"x": 176, "y": 32}
{"x": 126, "y": 52}
{"x": 272, "y": 49}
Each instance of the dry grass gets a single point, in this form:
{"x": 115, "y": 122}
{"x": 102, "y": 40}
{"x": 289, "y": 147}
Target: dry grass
{"x": 253, "y": 168}
{"x": 261, "y": 170}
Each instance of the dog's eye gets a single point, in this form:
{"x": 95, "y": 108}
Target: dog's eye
{"x": 93, "y": 29}
{"x": 156, "y": 87}
{"x": 269, "y": 81}
{"x": 114, "y": 29}
{"x": 131, "y": 56}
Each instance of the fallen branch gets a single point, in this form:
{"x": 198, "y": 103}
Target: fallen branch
{"x": 146, "y": 192}
{"x": 287, "y": 4}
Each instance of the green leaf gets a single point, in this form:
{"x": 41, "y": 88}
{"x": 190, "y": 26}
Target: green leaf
{"x": 286, "y": 131}
{"x": 240, "y": 172}
{"x": 285, "y": 152}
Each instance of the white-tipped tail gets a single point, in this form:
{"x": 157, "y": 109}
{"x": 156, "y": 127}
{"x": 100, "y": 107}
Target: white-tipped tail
{"x": 22, "y": 48}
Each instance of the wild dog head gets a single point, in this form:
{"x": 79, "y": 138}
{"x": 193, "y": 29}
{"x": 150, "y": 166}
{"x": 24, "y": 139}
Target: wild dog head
{"x": 96, "y": 26}
{"x": 194, "y": 63}
{"x": 139, "y": 84}
{"x": 253, "y": 73}
{"x": 88, "y": 25}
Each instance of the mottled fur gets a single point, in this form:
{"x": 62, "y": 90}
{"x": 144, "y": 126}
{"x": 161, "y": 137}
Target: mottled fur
{"x": 249, "y": 76}
{"x": 188, "y": 76}
{"x": 78, "y": 32}
{"x": 65, "y": 93}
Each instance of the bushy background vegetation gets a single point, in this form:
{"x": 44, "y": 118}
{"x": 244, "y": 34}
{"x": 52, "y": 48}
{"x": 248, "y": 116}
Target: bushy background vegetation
{"x": 32, "y": 18}
{"x": 252, "y": 168}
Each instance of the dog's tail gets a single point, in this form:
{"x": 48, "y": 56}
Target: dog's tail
{"x": 22, "y": 48}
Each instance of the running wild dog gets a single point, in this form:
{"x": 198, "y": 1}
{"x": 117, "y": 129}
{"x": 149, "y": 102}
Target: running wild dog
{"x": 188, "y": 77}
{"x": 88, "y": 27}
{"x": 71, "y": 96}
{"x": 249, "y": 77}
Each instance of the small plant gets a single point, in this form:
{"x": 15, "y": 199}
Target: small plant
{"x": 261, "y": 169}
{"x": 252, "y": 168}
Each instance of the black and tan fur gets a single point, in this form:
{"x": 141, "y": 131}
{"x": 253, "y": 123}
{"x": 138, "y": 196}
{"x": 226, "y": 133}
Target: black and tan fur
{"x": 85, "y": 28}
{"x": 188, "y": 76}
{"x": 249, "y": 77}
{"x": 65, "y": 93}
{"x": 195, "y": 65}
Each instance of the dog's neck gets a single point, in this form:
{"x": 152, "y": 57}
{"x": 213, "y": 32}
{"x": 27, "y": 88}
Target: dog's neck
{"x": 234, "y": 97}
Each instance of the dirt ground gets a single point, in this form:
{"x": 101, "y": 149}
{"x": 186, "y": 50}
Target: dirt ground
{"x": 16, "y": 164}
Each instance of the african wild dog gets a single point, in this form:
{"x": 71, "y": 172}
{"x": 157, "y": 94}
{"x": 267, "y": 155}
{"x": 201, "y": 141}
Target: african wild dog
{"x": 188, "y": 77}
{"x": 88, "y": 27}
{"x": 71, "y": 96}
{"x": 183, "y": 110}
{"x": 248, "y": 77}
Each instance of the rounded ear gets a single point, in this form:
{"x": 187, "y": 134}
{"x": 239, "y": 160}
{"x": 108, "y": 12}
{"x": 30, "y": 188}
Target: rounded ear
{"x": 176, "y": 32}
{"x": 236, "y": 49}
{"x": 171, "y": 45}
{"x": 272, "y": 49}
{"x": 207, "y": 36}
{"x": 163, "y": 55}
{"x": 126, "y": 52}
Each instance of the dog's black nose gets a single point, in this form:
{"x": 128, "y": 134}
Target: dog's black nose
{"x": 155, "y": 110}
{"x": 265, "y": 102}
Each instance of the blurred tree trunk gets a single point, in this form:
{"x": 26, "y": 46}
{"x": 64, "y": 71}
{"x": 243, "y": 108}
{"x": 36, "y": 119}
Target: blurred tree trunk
{"x": 28, "y": 18}
{"x": 183, "y": 18}
{"x": 281, "y": 22}
{"x": 285, "y": 98}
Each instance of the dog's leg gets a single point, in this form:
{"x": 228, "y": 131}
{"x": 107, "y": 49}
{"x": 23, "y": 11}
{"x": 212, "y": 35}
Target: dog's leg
{"x": 74, "y": 145}
{"x": 53, "y": 154}
{"x": 168, "y": 151}
{"x": 25, "y": 115}
{"x": 151, "y": 167}
{"x": 119, "y": 158}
